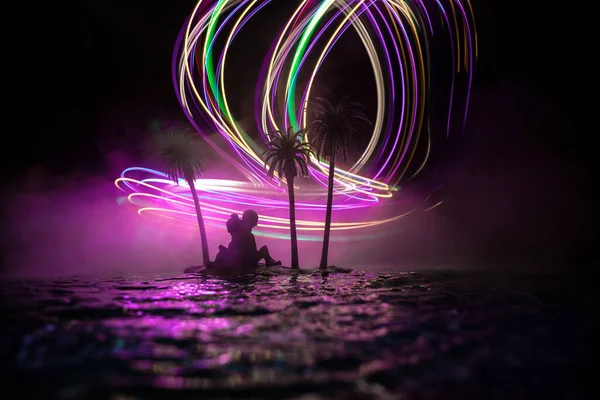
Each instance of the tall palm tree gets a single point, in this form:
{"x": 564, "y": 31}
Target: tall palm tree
{"x": 335, "y": 129}
{"x": 181, "y": 156}
{"x": 288, "y": 154}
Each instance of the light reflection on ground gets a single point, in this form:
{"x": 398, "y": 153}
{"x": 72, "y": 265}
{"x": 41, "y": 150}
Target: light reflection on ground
{"x": 355, "y": 335}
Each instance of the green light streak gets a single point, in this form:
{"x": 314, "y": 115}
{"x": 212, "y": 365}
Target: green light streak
{"x": 210, "y": 72}
{"x": 293, "y": 75}
{"x": 208, "y": 53}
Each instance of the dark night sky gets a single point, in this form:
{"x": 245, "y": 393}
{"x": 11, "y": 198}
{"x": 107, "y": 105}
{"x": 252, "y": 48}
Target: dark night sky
{"x": 91, "y": 62}
{"x": 86, "y": 69}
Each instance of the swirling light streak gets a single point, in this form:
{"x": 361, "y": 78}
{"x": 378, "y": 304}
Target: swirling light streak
{"x": 396, "y": 36}
{"x": 219, "y": 198}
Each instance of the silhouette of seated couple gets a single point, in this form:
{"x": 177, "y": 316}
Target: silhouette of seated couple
{"x": 241, "y": 253}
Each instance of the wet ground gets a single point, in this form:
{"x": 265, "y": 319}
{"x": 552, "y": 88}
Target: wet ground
{"x": 273, "y": 335}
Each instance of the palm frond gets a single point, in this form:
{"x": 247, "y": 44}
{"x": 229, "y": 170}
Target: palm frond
{"x": 181, "y": 155}
{"x": 287, "y": 153}
{"x": 337, "y": 128}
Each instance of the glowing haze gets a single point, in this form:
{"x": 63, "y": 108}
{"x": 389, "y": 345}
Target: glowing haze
{"x": 521, "y": 213}
{"x": 509, "y": 201}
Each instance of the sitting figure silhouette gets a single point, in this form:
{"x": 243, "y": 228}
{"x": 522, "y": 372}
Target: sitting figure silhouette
{"x": 224, "y": 257}
{"x": 241, "y": 251}
{"x": 247, "y": 252}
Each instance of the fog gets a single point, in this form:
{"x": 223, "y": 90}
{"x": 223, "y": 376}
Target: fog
{"x": 509, "y": 202}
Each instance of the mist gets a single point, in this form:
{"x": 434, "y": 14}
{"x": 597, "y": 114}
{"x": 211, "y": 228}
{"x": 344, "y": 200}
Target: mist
{"x": 510, "y": 201}
{"x": 78, "y": 228}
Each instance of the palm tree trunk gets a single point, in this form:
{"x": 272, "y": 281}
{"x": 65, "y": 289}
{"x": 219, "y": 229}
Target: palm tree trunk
{"x": 325, "y": 252}
{"x": 294, "y": 238}
{"x": 203, "y": 239}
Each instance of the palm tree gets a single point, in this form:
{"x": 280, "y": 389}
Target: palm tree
{"x": 180, "y": 153}
{"x": 335, "y": 129}
{"x": 287, "y": 154}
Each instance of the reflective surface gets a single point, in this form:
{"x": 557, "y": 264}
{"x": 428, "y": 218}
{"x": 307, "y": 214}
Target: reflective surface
{"x": 275, "y": 335}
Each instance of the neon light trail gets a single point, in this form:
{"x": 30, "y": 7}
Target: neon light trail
{"x": 395, "y": 34}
